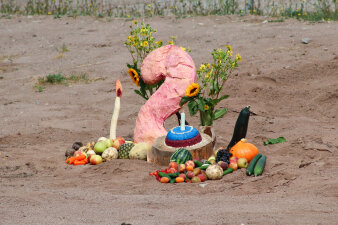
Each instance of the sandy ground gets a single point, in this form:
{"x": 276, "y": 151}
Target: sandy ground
{"x": 291, "y": 87}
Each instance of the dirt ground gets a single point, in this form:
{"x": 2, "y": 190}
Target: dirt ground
{"x": 292, "y": 89}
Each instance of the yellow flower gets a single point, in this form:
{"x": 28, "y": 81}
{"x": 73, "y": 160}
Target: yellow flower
{"x": 229, "y": 52}
{"x": 299, "y": 14}
{"x": 228, "y": 47}
{"x": 233, "y": 65}
{"x": 49, "y": 13}
{"x": 183, "y": 48}
{"x": 90, "y": 5}
{"x": 145, "y": 43}
{"x": 128, "y": 15}
{"x": 134, "y": 76}
{"x": 134, "y": 21}
{"x": 202, "y": 67}
{"x": 239, "y": 57}
{"x": 192, "y": 90}
{"x": 206, "y": 107}
{"x": 149, "y": 5}
{"x": 158, "y": 42}
{"x": 170, "y": 42}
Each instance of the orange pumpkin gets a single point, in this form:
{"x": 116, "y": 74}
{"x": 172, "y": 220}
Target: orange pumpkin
{"x": 244, "y": 150}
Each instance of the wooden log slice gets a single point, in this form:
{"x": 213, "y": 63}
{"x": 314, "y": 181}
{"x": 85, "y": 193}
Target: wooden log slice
{"x": 161, "y": 153}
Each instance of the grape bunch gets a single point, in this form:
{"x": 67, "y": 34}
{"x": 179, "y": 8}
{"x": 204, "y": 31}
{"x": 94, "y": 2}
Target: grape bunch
{"x": 223, "y": 155}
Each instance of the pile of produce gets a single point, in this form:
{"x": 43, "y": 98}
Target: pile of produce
{"x": 183, "y": 169}
{"x": 106, "y": 149}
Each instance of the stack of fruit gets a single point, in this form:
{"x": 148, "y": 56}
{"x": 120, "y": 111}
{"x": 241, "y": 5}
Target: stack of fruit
{"x": 106, "y": 149}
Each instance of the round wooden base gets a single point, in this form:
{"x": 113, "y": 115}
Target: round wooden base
{"x": 161, "y": 153}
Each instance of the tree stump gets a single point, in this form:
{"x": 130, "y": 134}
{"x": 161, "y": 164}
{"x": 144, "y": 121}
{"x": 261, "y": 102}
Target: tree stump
{"x": 161, "y": 153}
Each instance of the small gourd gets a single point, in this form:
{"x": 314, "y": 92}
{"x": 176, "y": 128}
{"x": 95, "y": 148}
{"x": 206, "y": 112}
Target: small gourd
{"x": 244, "y": 150}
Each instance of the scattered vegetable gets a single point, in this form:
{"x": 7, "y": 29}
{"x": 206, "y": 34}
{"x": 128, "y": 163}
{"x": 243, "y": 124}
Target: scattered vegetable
{"x": 214, "y": 172}
{"x": 227, "y": 171}
{"x": 252, "y": 164}
{"x": 259, "y": 167}
{"x": 244, "y": 150}
{"x": 275, "y": 141}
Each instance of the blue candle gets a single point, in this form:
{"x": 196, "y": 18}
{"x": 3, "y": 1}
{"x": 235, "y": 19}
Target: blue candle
{"x": 182, "y": 121}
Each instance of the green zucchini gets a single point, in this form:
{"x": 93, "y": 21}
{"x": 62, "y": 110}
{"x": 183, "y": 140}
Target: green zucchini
{"x": 251, "y": 167}
{"x": 172, "y": 180}
{"x": 161, "y": 174}
{"x": 227, "y": 171}
{"x": 241, "y": 127}
{"x": 204, "y": 166}
{"x": 198, "y": 163}
{"x": 173, "y": 175}
{"x": 260, "y": 166}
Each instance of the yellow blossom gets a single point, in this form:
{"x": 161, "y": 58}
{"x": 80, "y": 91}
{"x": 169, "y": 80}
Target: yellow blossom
{"x": 183, "y": 48}
{"x": 228, "y": 47}
{"x": 229, "y": 52}
{"x": 145, "y": 43}
{"x": 192, "y": 90}
{"x": 202, "y": 67}
{"x": 134, "y": 76}
{"x": 239, "y": 57}
{"x": 134, "y": 21}
{"x": 170, "y": 42}
{"x": 206, "y": 107}
{"x": 49, "y": 13}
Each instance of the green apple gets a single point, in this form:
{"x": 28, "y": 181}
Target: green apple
{"x": 95, "y": 159}
{"x": 108, "y": 142}
{"x": 242, "y": 163}
{"x": 99, "y": 147}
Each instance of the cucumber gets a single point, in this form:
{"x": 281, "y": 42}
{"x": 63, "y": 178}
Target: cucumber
{"x": 227, "y": 171}
{"x": 207, "y": 162}
{"x": 204, "y": 166}
{"x": 161, "y": 174}
{"x": 241, "y": 127}
{"x": 172, "y": 180}
{"x": 198, "y": 163}
{"x": 251, "y": 167}
{"x": 260, "y": 166}
{"x": 173, "y": 175}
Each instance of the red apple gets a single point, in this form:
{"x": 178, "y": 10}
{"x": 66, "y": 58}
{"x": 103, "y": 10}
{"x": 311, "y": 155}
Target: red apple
{"x": 118, "y": 142}
{"x": 173, "y": 165}
{"x": 202, "y": 177}
{"x": 182, "y": 175}
{"x": 90, "y": 153}
{"x": 95, "y": 159}
{"x": 172, "y": 170}
{"x": 190, "y": 174}
{"x": 78, "y": 153}
{"x": 205, "y": 174}
{"x": 233, "y": 159}
{"x": 190, "y": 163}
{"x": 182, "y": 168}
{"x": 234, "y": 166}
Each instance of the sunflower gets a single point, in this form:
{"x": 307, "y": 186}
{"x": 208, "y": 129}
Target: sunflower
{"x": 239, "y": 57}
{"x": 134, "y": 76}
{"x": 192, "y": 90}
{"x": 206, "y": 107}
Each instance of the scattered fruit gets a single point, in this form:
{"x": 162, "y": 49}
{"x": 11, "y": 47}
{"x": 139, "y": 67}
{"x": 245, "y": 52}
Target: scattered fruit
{"x": 190, "y": 174}
{"x": 99, "y": 147}
{"x": 233, "y": 159}
{"x": 202, "y": 177}
{"x": 124, "y": 150}
{"x": 195, "y": 180}
{"x": 164, "y": 180}
{"x": 103, "y": 139}
{"x": 108, "y": 142}
{"x": 234, "y": 166}
{"x": 140, "y": 151}
{"x": 118, "y": 142}
{"x": 69, "y": 152}
{"x": 90, "y": 153}
{"x": 181, "y": 156}
{"x": 173, "y": 165}
{"x": 224, "y": 165}
{"x": 172, "y": 170}
{"x": 242, "y": 163}
{"x": 189, "y": 168}
{"x": 77, "y": 145}
{"x": 95, "y": 159}
{"x": 190, "y": 163}
{"x": 214, "y": 172}
{"x": 196, "y": 171}
{"x": 182, "y": 168}
{"x": 223, "y": 155}
{"x": 179, "y": 179}
{"x": 183, "y": 176}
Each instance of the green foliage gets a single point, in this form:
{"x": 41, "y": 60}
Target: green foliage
{"x": 212, "y": 78}
{"x": 140, "y": 43}
{"x": 58, "y": 78}
{"x": 308, "y": 10}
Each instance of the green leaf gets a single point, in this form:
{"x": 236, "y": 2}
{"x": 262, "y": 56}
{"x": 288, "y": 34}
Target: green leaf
{"x": 184, "y": 100}
{"x": 275, "y": 141}
{"x": 193, "y": 108}
{"x": 216, "y": 101}
{"x": 140, "y": 94}
{"x": 219, "y": 113}
{"x": 201, "y": 104}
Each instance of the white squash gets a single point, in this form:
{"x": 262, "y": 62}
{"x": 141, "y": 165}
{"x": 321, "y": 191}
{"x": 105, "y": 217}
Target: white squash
{"x": 109, "y": 154}
{"x": 139, "y": 151}
{"x": 214, "y": 172}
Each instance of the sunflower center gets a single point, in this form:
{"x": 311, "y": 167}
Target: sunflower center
{"x": 193, "y": 90}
